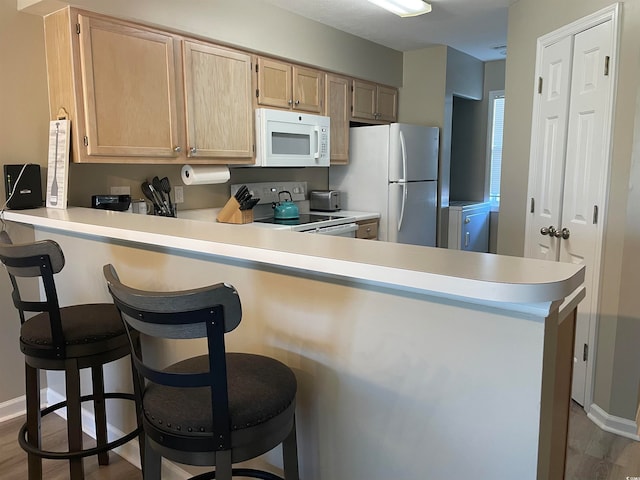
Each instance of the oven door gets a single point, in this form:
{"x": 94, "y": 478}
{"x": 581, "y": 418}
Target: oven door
{"x": 344, "y": 230}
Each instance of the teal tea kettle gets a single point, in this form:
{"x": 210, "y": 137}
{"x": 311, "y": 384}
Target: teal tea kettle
{"x": 285, "y": 210}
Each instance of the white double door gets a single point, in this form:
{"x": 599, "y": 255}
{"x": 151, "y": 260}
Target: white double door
{"x": 569, "y": 171}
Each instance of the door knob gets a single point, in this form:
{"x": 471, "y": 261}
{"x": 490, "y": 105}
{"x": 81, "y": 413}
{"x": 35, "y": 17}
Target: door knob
{"x": 565, "y": 233}
{"x": 551, "y": 231}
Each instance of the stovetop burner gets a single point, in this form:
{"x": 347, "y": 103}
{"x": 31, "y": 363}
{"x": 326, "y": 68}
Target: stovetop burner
{"x": 304, "y": 219}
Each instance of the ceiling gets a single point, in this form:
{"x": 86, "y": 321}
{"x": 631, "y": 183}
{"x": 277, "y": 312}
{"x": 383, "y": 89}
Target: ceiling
{"x": 475, "y": 27}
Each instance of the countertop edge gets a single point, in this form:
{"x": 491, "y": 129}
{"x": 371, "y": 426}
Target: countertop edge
{"x": 524, "y": 296}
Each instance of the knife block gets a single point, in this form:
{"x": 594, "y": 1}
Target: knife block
{"x": 231, "y": 213}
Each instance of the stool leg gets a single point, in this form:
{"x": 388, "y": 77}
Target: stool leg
{"x": 152, "y": 466}
{"x": 74, "y": 418}
{"x": 290, "y": 454}
{"x": 32, "y": 390}
{"x": 97, "y": 378}
{"x": 223, "y": 465}
{"x": 138, "y": 383}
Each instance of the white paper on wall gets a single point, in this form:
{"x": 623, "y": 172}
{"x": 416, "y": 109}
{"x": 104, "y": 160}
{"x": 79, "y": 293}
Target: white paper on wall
{"x": 58, "y": 166}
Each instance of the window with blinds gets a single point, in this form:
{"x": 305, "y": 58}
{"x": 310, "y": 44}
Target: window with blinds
{"x": 496, "y": 124}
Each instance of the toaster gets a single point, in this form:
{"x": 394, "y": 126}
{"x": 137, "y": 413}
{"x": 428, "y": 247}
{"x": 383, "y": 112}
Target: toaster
{"x": 324, "y": 200}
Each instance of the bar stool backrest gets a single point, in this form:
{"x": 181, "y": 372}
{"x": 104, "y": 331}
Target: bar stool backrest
{"x": 37, "y": 259}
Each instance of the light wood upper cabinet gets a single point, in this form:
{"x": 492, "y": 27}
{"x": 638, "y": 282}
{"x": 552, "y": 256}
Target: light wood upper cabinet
{"x": 283, "y": 85}
{"x": 308, "y": 93}
{"x": 338, "y": 108}
{"x": 128, "y": 77}
{"x": 387, "y": 103}
{"x": 374, "y": 102}
{"x": 140, "y": 95}
{"x": 218, "y": 100}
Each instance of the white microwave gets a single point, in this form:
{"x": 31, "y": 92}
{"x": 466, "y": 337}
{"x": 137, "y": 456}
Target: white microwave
{"x": 291, "y": 139}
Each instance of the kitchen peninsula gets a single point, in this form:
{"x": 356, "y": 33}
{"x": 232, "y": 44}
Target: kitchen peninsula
{"x": 412, "y": 362}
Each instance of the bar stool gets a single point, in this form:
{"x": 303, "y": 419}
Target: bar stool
{"x": 67, "y": 339}
{"x": 214, "y": 409}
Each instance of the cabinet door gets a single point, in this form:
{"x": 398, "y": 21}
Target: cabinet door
{"x": 338, "y": 108}
{"x": 218, "y": 102}
{"x": 364, "y": 100}
{"x": 387, "y": 104}
{"x": 367, "y": 229}
{"x": 128, "y": 76}
{"x": 274, "y": 83}
{"x": 307, "y": 89}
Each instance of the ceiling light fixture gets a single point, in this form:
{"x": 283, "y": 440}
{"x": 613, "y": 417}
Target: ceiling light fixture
{"x": 404, "y": 8}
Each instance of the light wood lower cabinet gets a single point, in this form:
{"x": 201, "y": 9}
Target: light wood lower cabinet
{"x": 367, "y": 229}
{"x": 338, "y": 109}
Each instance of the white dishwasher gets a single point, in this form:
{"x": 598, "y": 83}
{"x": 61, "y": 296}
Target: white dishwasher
{"x": 469, "y": 226}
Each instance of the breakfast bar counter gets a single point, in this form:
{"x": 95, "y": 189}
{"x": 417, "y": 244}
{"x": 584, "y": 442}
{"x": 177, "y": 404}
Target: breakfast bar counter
{"x": 412, "y": 362}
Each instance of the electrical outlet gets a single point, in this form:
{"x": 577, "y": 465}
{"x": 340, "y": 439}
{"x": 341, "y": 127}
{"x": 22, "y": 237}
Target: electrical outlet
{"x": 179, "y": 194}
{"x": 120, "y": 190}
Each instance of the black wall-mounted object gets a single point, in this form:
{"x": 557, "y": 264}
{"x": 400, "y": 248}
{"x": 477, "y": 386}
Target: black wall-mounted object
{"x": 28, "y": 189}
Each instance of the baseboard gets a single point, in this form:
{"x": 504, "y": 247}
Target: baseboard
{"x": 611, "y": 423}
{"x": 15, "y": 407}
{"x": 130, "y": 451}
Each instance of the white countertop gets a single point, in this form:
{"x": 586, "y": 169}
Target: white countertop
{"x": 477, "y": 277}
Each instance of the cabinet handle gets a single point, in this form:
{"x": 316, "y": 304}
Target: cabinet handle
{"x": 290, "y": 102}
{"x": 297, "y": 102}
{"x": 193, "y": 150}
{"x": 177, "y": 149}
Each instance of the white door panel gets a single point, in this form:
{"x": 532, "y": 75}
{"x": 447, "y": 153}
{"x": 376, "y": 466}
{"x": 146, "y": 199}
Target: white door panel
{"x": 585, "y": 169}
{"x": 547, "y": 163}
{"x": 569, "y": 168}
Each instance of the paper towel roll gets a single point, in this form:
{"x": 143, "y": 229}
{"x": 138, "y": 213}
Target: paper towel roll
{"x": 205, "y": 174}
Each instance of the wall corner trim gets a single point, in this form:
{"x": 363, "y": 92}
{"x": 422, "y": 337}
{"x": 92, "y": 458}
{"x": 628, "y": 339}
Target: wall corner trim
{"x": 612, "y": 424}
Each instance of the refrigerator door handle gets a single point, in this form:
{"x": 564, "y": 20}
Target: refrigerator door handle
{"x": 403, "y": 146}
{"x": 404, "y": 200}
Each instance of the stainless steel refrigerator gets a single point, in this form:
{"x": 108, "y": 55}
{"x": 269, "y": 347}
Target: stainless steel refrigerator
{"x": 393, "y": 169}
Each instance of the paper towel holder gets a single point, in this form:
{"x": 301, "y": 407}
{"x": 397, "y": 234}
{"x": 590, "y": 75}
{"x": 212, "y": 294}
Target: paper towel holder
{"x": 205, "y": 174}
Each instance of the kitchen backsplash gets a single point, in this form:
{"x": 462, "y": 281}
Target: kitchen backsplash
{"x": 86, "y": 180}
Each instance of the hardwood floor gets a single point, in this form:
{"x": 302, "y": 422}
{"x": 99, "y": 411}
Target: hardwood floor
{"x": 593, "y": 454}
{"x": 13, "y": 460}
